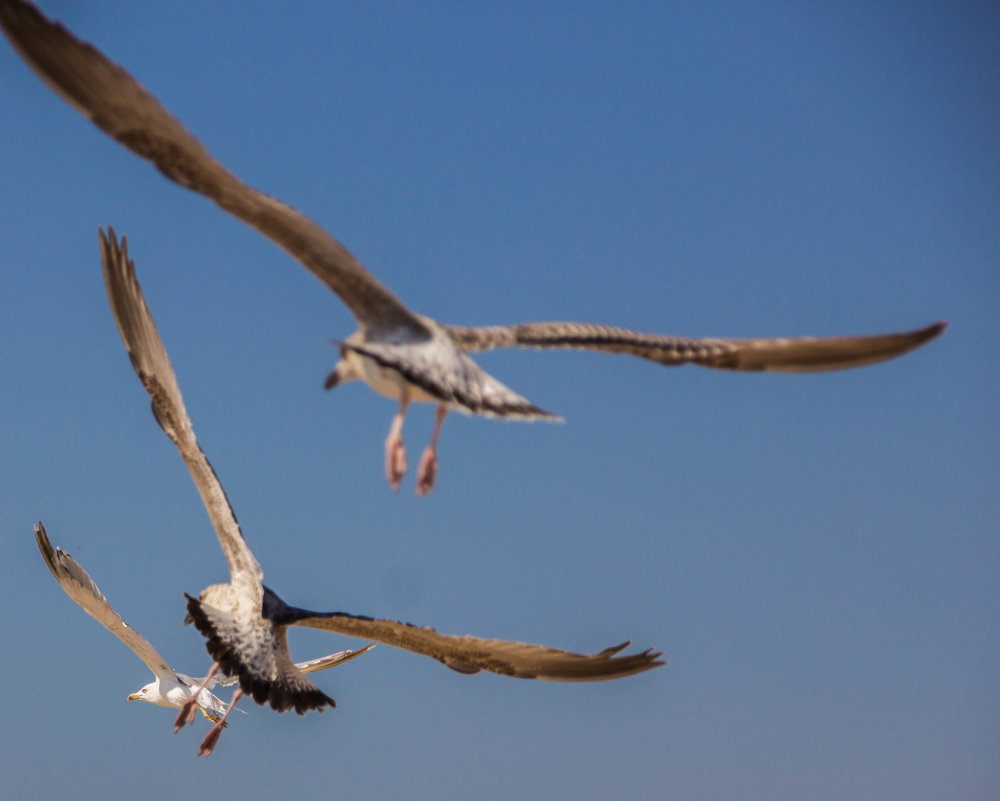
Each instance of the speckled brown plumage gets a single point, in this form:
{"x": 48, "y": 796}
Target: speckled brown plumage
{"x": 244, "y": 622}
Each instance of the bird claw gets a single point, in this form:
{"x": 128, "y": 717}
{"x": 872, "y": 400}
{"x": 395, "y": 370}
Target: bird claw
{"x": 213, "y": 716}
{"x": 427, "y": 472}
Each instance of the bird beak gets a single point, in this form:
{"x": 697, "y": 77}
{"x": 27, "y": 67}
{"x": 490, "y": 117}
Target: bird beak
{"x": 133, "y": 697}
{"x": 333, "y": 379}
{"x": 188, "y": 620}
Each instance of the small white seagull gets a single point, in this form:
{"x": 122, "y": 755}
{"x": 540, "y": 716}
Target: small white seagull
{"x": 169, "y": 688}
{"x": 244, "y": 621}
{"x": 398, "y": 353}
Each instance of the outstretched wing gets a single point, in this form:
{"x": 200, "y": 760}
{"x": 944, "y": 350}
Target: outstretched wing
{"x": 782, "y": 355}
{"x": 115, "y": 102}
{"x": 471, "y": 654}
{"x": 79, "y": 586}
{"x": 152, "y": 365}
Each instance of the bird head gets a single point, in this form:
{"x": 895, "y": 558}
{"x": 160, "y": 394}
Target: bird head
{"x": 346, "y": 369}
{"x": 147, "y": 693}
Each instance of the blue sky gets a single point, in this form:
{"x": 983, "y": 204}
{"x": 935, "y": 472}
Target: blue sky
{"x": 817, "y": 555}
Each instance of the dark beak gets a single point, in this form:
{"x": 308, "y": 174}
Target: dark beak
{"x": 333, "y": 379}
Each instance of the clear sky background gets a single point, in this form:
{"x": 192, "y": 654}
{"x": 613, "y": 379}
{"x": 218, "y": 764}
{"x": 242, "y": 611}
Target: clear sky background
{"x": 817, "y": 555}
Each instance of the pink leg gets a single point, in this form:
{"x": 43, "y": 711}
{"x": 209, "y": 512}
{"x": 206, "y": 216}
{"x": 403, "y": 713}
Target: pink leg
{"x": 188, "y": 711}
{"x": 427, "y": 472}
{"x": 395, "y": 453}
{"x": 208, "y": 744}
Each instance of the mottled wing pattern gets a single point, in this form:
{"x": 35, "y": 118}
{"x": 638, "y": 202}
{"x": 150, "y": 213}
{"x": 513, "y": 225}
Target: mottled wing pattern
{"x": 257, "y": 652}
{"x": 787, "y": 354}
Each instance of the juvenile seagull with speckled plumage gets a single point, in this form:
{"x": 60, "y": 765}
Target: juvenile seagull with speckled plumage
{"x": 244, "y": 621}
{"x": 398, "y": 353}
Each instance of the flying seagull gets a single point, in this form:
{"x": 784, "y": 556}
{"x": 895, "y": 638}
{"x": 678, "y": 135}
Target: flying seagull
{"x": 169, "y": 688}
{"x": 245, "y": 622}
{"x": 398, "y": 353}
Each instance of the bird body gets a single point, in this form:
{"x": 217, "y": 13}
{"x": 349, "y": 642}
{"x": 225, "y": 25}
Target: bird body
{"x": 169, "y": 688}
{"x": 403, "y": 355}
{"x": 176, "y": 691}
{"x": 433, "y": 369}
{"x": 245, "y": 623}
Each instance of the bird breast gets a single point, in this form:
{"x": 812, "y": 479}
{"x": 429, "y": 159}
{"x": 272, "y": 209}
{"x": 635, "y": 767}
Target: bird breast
{"x": 385, "y": 380}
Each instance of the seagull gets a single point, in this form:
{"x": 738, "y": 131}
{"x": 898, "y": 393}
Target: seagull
{"x": 169, "y": 688}
{"x": 398, "y": 353}
{"x": 245, "y": 622}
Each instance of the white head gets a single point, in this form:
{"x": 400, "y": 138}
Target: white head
{"x": 150, "y": 693}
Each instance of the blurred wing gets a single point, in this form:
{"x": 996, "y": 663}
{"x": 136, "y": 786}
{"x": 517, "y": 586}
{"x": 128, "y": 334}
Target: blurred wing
{"x": 152, "y": 365}
{"x": 117, "y": 104}
{"x": 79, "y": 586}
{"x": 788, "y": 355}
{"x": 472, "y": 654}
{"x": 310, "y": 665}
{"x": 331, "y": 660}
